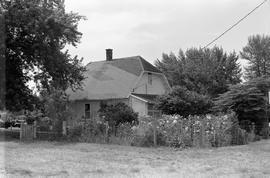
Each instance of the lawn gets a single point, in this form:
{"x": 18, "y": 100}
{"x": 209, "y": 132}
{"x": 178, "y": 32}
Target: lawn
{"x": 56, "y": 159}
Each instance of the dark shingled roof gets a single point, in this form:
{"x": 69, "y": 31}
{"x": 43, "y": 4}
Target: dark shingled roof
{"x": 134, "y": 65}
{"x": 128, "y": 64}
{"x": 148, "y": 67}
{"x": 112, "y": 79}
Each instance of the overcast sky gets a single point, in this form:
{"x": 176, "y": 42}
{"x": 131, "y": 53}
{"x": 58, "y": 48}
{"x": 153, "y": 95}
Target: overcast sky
{"x": 152, "y": 27}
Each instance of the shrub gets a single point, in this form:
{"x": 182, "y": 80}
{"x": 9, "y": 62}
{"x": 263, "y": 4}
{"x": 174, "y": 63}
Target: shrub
{"x": 194, "y": 131}
{"x": 124, "y": 135}
{"x": 117, "y": 114}
{"x": 75, "y": 132}
{"x": 174, "y": 131}
{"x": 182, "y": 101}
{"x": 94, "y": 131}
{"x": 56, "y": 107}
{"x": 247, "y": 100}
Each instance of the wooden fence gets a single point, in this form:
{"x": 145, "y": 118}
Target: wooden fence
{"x": 31, "y": 132}
{"x": 28, "y": 132}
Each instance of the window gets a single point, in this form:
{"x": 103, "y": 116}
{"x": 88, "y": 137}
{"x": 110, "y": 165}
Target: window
{"x": 152, "y": 111}
{"x": 150, "y": 78}
{"x": 150, "y": 108}
{"x": 87, "y": 111}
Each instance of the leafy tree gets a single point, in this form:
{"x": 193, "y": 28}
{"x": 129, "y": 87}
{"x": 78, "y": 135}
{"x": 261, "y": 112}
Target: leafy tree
{"x": 248, "y": 100}
{"x": 117, "y": 114}
{"x": 184, "y": 102}
{"x": 37, "y": 32}
{"x": 257, "y": 53}
{"x": 205, "y": 71}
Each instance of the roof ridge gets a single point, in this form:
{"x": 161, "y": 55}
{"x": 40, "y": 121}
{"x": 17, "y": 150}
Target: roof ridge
{"x": 122, "y": 58}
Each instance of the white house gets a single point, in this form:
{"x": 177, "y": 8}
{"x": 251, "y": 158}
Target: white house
{"x": 131, "y": 80}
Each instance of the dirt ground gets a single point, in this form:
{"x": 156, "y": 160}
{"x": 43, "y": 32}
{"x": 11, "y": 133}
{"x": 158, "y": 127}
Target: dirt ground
{"x": 54, "y": 159}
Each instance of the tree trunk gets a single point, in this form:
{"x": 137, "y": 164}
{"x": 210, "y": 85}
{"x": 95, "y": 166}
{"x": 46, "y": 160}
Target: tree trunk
{"x": 2, "y": 63}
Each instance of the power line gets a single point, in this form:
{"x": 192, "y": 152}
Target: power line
{"x": 235, "y": 24}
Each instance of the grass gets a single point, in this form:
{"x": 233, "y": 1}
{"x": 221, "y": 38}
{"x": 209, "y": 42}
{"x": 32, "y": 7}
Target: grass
{"x": 56, "y": 159}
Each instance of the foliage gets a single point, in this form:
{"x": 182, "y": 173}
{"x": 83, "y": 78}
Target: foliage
{"x": 56, "y": 107}
{"x": 198, "y": 131}
{"x": 117, "y": 114}
{"x": 75, "y": 132}
{"x": 124, "y": 135}
{"x": 143, "y": 134}
{"x": 37, "y": 31}
{"x": 184, "y": 102}
{"x": 205, "y": 71}
{"x": 257, "y": 53}
{"x": 171, "y": 130}
{"x": 248, "y": 100}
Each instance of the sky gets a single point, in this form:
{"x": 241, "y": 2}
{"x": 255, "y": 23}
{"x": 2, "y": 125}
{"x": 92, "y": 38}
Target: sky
{"x": 151, "y": 27}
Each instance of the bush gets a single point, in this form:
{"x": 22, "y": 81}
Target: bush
{"x": 194, "y": 131}
{"x": 117, "y": 114}
{"x": 182, "y": 101}
{"x": 124, "y": 135}
{"x": 147, "y": 139}
{"x": 75, "y": 133}
{"x": 56, "y": 107}
{"x": 94, "y": 131}
{"x": 174, "y": 131}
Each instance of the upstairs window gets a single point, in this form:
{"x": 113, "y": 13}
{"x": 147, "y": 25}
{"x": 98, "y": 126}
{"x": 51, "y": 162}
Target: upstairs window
{"x": 87, "y": 111}
{"x": 150, "y": 78}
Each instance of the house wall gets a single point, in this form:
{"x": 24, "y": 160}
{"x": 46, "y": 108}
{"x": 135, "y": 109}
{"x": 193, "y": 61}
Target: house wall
{"x": 78, "y": 108}
{"x": 138, "y": 106}
{"x": 158, "y": 86}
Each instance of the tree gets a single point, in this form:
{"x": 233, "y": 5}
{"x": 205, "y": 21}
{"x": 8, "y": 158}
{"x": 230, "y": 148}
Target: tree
{"x": 184, "y": 102}
{"x": 248, "y": 100}
{"x": 205, "y": 71}
{"x": 2, "y": 63}
{"x": 257, "y": 53}
{"x": 37, "y": 32}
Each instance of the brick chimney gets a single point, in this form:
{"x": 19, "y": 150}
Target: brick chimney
{"x": 109, "y": 54}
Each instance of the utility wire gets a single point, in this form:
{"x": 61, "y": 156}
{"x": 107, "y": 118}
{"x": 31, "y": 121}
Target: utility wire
{"x": 235, "y": 24}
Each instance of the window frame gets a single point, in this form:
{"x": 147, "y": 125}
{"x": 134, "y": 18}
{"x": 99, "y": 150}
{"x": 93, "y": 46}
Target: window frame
{"x": 150, "y": 78}
{"x": 87, "y": 111}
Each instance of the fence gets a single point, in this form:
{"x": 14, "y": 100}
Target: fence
{"x": 201, "y": 131}
{"x": 27, "y": 132}
{"x": 36, "y": 131}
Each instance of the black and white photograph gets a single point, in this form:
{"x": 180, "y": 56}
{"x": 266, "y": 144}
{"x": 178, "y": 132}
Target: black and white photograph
{"x": 135, "y": 88}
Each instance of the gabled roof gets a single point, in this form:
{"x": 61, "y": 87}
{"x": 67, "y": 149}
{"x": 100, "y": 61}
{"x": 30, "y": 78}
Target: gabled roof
{"x": 111, "y": 79}
{"x": 148, "y": 67}
{"x": 134, "y": 65}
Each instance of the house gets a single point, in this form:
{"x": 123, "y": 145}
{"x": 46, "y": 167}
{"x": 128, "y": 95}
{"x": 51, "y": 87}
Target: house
{"x": 131, "y": 80}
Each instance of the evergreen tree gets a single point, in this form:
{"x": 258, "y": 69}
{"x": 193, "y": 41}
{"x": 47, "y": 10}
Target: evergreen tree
{"x": 257, "y": 53}
{"x": 205, "y": 71}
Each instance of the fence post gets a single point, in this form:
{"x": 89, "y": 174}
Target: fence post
{"x": 107, "y": 132}
{"x": 192, "y": 132}
{"x": 35, "y": 129}
{"x": 21, "y": 131}
{"x": 64, "y": 129}
{"x": 155, "y": 124}
{"x": 202, "y": 134}
{"x": 155, "y": 131}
